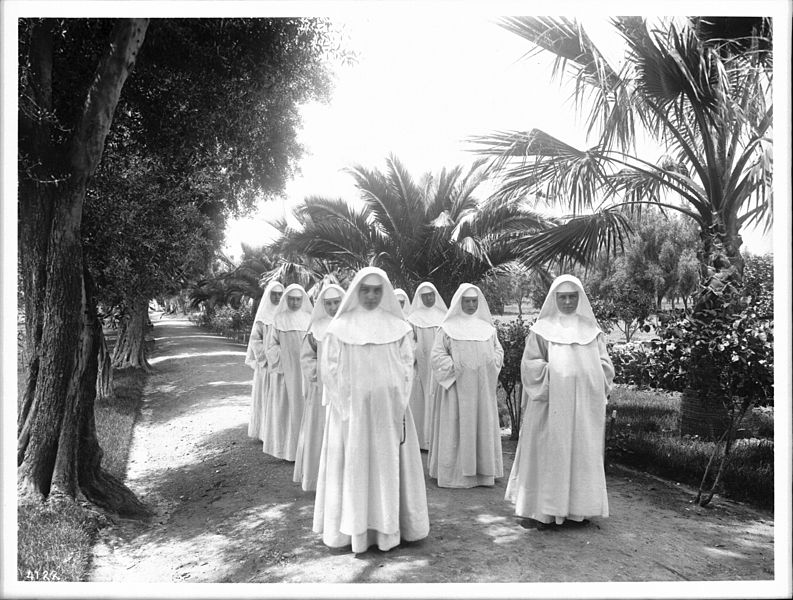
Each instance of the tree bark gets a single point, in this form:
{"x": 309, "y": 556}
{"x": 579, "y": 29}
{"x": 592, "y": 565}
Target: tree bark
{"x": 57, "y": 361}
{"x": 104, "y": 376}
{"x": 130, "y": 350}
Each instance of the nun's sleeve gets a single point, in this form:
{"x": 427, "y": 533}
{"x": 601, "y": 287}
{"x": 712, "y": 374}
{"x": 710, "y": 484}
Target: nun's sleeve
{"x": 273, "y": 348}
{"x": 605, "y": 362}
{"x": 441, "y": 360}
{"x": 308, "y": 358}
{"x": 534, "y": 368}
{"x": 257, "y": 343}
{"x": 498, "y": 352}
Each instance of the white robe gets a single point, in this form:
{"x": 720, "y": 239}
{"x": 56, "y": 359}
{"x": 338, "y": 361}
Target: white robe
{"x": 424, "y": 385}
{"x": 558, "y": 470}
{"x": 466, "y": 442}
{"x": 309, "y": 443}
{"x": 260, "y": 380}
{"x": 284, "y": 407}
{"x": 370, "y": 488}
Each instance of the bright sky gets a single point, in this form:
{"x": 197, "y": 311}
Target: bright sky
{"x": 419, "y": 88}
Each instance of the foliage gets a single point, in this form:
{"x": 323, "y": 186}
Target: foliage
{"x": 511, "y": 283}
{"x": 738, "y": 346}
{"x": 625, "y": 306}
{"x": 645, "y": 435}
{"x": 434, "y": 229}
{"x": 758, "y": 284}
{"x": 700, "y": 94}
{"x": 512, "y": 336}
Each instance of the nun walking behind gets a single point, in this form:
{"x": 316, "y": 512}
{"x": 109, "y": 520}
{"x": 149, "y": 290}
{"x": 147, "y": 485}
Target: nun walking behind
{"x": 426, "y": 314}
{"x": 284, "y": 411}
{"x": 466, "y": 359}
{"x": 256, "y": 357}
{"x": 309, "y": 443}
{"x": 370, "y": 488}
{"x": 567, "y": 374}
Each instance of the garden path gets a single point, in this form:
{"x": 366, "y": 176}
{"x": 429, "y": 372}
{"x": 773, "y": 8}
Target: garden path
{"x": 226, "y": 512}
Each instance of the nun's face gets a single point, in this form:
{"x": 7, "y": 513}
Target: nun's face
{"x": 428, "y": 298}
{"x": 275, "y": 297}
{"x": 370, "y": 295}
{"x": 331, "y": 305}
{"x": 401, "y": 301}
{"x": 469, "y": 305}
{"x": 294, "y": 302}
{"x": 567, "y": 302}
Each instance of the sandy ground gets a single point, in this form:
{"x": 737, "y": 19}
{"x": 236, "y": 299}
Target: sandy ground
{"x": 226, "y": 512}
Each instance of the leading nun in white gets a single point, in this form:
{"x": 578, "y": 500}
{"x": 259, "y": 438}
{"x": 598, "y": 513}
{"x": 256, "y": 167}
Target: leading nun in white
{"x": 426, "y": 314}
{"x": 284, "y": 411}
{"x": 567, "y": 375}
{"x": 466, "y": 359}
{"x": 256, "y": 357}
{"x": 370, "y": 488}
{"x": 309, "y": 444}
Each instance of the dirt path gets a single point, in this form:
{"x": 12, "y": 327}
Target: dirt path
{"x": 226, "y": 512}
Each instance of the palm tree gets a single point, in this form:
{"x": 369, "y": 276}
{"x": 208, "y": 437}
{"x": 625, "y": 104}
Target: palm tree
{"x": 700, "y": 89}
{"x": 431, "y": 229}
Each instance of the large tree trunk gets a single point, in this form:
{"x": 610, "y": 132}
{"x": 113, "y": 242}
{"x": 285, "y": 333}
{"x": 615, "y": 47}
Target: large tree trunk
{"x": 702, "y": 408}
{"x": 58, "y": 363}
{"x": 130, "y": 350}
{"x": 104, "y": 376}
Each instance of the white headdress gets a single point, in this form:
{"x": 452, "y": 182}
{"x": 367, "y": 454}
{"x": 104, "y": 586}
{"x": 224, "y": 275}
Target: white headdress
{"x": 286, "y": 319}
{"x": 354, "y": 324}
{"x": 320, "y": 319}
{"x": 264, "y": 314}
{"x": 427, "y": 316}
{"x": 460, "y": 326}
{"x": 580, "y": 327}
{"x": 400, "y": 293}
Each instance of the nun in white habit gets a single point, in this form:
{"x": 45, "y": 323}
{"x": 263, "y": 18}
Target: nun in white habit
{"x": 256, "y": 358}
{"x": 567, "y": 374}
{"x": 284, "y": 411}
{"x": 466, "y": 359}
{"x": 426, "y": 314}
{"x": 309, "y": 443}
{"x": 370, "y": 488}
{"x": 403, "y": 299}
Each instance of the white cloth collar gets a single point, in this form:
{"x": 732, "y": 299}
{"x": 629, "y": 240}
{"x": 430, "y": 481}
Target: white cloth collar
{"x": 578, "y": 328}
{"x": 354, "y": 324}
{"x": 422, "y": 316}
{"x": 320, "y": 319}
{"x": 460, "y": 326}
{"x": 286, "y": 319}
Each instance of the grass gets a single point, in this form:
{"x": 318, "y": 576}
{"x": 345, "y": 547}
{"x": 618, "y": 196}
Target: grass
{"x": 115, "y": 420}
{"x": 54, "y": 541}
{"x": 645, "y": 436}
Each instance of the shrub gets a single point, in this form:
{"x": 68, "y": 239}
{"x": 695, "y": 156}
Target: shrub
{"x": 645, "y": 435}
{"x": 512, "y": 336}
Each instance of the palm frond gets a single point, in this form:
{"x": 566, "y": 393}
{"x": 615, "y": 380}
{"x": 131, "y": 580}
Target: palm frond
{"x": 579, "y": 240}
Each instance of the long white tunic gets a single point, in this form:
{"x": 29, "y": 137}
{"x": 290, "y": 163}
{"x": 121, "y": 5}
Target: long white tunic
{"x": 558, "y": 470}
{"x": 309, "y": 443}
{"x": 284, "y": 409}
{"x": 424, "y": 385}
{"x": 370, "y": 488}
{"x": 261, "y": 380}
{"x": 466, "y": 442}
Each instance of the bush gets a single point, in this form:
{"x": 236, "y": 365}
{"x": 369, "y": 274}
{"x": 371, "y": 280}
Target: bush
{"x": 645, "y": 435}
{"x": 512, "y": 336}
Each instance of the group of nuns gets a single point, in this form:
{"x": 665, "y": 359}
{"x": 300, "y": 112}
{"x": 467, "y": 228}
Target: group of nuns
{"x": 355, "y": 387}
